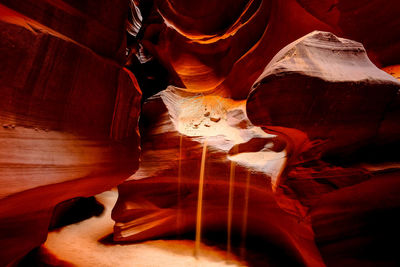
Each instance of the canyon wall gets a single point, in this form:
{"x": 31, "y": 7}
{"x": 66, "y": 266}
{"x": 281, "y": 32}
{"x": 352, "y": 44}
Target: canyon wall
{"x": 222, "y": 47}
{"x": 320, "y": 97}
{"x": 68, "y": 112}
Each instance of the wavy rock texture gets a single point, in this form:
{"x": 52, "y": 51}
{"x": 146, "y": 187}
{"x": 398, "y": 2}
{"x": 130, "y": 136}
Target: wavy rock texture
{"x": 68, "y": 117}
{"x": 209, "y": 52}
{"x": 345, "y": 99}
{"x": 326, "y": 87}
{"x": 68, "y": 121}
{"x": 160, "y": 199}
{"x": 100, "y": 27}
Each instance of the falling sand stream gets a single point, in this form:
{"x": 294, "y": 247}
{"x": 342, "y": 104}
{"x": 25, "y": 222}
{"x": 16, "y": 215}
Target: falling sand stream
{"x": 178, "y": 217}
{"x": 200, "y": 200}
{"x": 230, "y": 206}
{"x": 245, "y": 212}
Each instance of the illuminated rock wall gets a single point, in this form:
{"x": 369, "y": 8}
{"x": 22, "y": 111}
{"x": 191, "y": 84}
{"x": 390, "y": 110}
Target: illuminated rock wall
{"x": 68, "y": 112}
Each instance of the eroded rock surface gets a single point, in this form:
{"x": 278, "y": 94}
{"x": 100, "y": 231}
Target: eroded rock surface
{"x": 223, "y": 46}
{"x": 321, "y": 103}
{"x": 160, "y": 199}
{"x": 68, "y": 118}
{"x": 68, "y": 121}
{"x": 326, "y": 87}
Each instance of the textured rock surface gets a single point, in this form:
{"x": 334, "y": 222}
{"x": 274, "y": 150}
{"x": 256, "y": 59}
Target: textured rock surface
{"x": 224, "y": 54}
{"x": 206, "y": 51}
{"x": 68, "y": 121}
{"x": 160, "y": 199}
{"x": 68, "y": 118}
{"x": 98, "y": 26}
{"x": 326, "y": 87}
{"x": 312, "y": 75}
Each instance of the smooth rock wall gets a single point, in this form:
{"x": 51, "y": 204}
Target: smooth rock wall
{"x": 68, "y": 114}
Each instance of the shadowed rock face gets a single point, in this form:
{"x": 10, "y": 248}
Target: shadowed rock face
{"x": 357, "y": 225}
{"x": 68, "y": 117}
{"x": 100, "y": 27}
{"x": 374, "y": 24}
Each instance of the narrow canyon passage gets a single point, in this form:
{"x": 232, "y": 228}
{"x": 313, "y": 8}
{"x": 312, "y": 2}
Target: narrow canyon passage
{"x": 199, "y": 133}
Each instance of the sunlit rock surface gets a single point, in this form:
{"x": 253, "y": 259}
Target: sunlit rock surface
{"x": 286, "y": 211}
{"x": 68, "y": 123}
{"x": 68, "y": 117}
{"x": 326, "y": 87}
{"x": 160, "y": 199}
{"x": 322, "y": 95}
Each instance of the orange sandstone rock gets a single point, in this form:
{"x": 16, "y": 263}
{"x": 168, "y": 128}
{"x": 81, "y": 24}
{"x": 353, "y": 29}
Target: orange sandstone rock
{"x": 69, "y": 120}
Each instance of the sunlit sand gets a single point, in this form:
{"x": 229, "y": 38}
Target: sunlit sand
{"x": 80, "y": 244}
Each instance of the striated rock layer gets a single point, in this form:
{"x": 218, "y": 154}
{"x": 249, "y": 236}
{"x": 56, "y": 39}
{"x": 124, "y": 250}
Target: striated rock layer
{"x": 319, "y": 96}
{"x": 224, "y": 54}
{"x": 160, "y": 199}
{"x": 326, "y": 87}
{"x": 223, "y": 46}
{"x": 98, "y": 26}
{"x": 68, "y": 120}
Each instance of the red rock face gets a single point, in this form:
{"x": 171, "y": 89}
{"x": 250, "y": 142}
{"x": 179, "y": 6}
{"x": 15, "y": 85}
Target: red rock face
{"x": 374, "y": 24}
{"x": 214, "y": 54}
{"x": 99, "y": 27}
{"x": 209, "y": 52}
{"x": 161, "y": 198}
{"x": 68, "y": 118}
{"x": 357, "y": 225}
{"x": 320, "y": 95}
{"x": 69, "y": 114}
{"x": 326, "y": 87}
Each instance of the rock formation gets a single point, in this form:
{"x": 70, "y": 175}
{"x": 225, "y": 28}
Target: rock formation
{"x": 326, "y": 87}
{"x": 223, "y": 54}
{"x": 68, "y": 113}
{"x": 160, "y": 199}
{"x": 206, "y": 51}
{"x": 301, "y": 143}
{"x": 314, "y": 101}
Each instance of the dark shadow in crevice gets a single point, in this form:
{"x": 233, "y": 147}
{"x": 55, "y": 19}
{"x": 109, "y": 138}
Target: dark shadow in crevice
{"x": 75, "y": 210}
